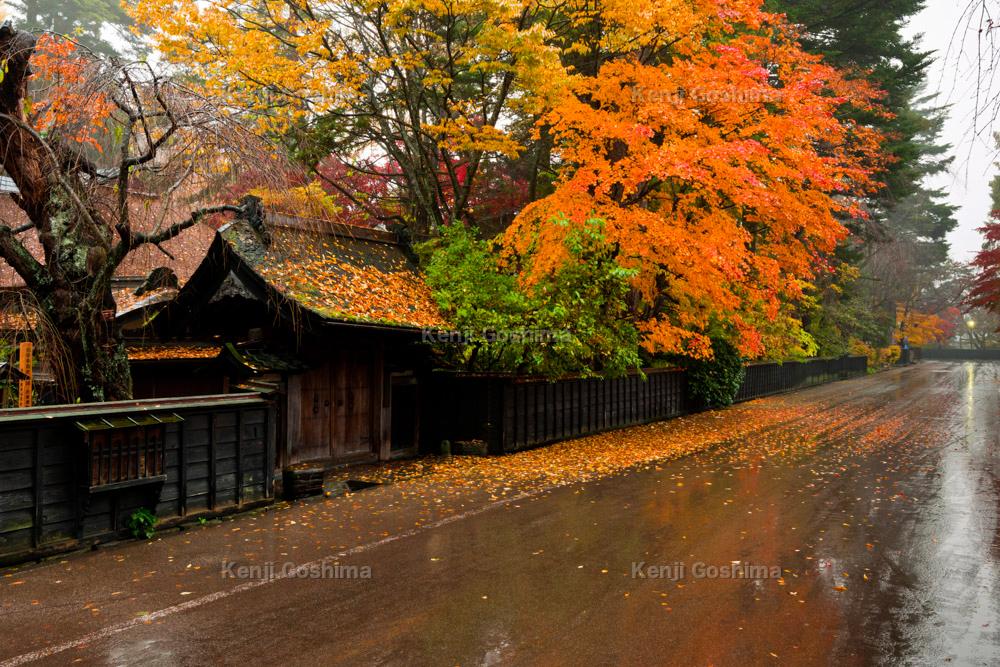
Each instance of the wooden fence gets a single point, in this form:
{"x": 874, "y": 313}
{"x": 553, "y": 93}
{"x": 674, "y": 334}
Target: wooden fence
{"x": 508, "y": 413}
{"x": 71, "y": 475}
{"x": 764, "y": 379}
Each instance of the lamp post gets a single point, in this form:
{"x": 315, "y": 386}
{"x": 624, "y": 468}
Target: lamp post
{"x": 970, "y": 326}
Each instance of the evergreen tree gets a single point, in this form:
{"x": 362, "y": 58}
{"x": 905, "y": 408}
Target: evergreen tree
{"x": 867, "y": 38}
{"x": 903, "y": 244}
{"x": 102, "y": 26}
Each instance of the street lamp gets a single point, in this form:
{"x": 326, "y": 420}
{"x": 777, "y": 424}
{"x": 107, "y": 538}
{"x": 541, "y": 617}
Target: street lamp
{"x": 970, "y": 325}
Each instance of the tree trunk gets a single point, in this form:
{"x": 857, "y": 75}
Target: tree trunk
{"x": 80, "y": 217}
{"x": 93, "y": 356}
{"x": 98, "y": 355}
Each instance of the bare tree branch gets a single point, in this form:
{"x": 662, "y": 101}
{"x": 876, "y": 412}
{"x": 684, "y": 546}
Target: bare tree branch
{"x": 22, "y": 261}
{"x": 175, "y": 229}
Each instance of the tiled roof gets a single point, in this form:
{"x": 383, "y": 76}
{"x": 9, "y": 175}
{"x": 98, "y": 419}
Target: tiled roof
{"x": 17, "y": 321}
{"x": 339, "y": 272}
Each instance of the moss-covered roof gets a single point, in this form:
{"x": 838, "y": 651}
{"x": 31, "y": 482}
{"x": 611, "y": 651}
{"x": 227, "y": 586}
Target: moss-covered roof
{"x": 339, "y": 272}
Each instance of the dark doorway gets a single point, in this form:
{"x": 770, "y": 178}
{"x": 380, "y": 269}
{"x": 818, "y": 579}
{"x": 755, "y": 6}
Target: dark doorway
{"x": 404, "y": 422}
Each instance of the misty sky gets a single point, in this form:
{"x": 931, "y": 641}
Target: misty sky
{"x": 953, "y": 76}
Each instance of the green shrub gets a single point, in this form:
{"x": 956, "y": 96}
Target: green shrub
{"x": 574, "y": 320}
{"x": 713, "y": 383}
{"x": 142, "y": 524}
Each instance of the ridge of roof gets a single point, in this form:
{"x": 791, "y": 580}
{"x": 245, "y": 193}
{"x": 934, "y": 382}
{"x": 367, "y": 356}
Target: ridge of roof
{"x": 333, "y": 228}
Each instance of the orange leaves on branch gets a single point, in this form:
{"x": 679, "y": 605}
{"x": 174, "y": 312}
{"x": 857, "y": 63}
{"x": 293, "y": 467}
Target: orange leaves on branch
{"x": 66, "y": 98}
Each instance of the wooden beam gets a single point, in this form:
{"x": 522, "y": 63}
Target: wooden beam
{"x": 381, "y": 404}
{"x": 239, "y": 458}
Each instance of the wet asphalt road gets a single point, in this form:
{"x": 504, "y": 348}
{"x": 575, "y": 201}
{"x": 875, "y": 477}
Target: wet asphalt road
{"x": 862, "y": 529}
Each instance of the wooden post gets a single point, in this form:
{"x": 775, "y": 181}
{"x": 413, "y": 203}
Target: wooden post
{"x": 239, "y": 458}
{"x": 38, "y": 484}
{"x": 211, "y": 460}
{"x": 270, "y": 447}
{"x": 182, "y": 471}
{"x": 24, "y": 387}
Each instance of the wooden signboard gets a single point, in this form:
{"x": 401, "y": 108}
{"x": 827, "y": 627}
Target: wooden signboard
{"x": 25, "y": 363}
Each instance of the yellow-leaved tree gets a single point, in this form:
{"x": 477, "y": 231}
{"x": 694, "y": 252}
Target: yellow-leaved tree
{"x": 419, "y": 92}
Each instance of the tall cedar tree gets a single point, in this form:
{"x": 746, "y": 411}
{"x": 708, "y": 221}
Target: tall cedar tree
{"x": 89, "y": 22}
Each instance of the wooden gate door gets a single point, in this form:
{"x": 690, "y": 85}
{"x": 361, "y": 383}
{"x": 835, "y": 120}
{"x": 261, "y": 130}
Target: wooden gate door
{"x": 353, "y": 384}
{"x": 316, "y": 411}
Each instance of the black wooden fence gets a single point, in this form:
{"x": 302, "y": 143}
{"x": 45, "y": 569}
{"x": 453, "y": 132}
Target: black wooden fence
{"x": 71, "y": 475}
{"x": 764, "y": 379}
{"x": 509, "y": 413}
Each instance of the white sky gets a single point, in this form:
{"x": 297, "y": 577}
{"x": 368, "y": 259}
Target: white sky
{"x": 953, "y": 76}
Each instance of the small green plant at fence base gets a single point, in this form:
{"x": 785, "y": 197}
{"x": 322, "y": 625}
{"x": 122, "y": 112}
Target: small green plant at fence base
{"x": 142, "y": 523}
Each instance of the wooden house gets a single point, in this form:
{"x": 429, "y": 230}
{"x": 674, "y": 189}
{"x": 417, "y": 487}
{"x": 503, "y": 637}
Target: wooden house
{"x": 326, "y": 316}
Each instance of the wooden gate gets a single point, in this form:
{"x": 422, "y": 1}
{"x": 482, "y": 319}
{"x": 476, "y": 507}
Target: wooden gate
{"x": 335, "y": 408}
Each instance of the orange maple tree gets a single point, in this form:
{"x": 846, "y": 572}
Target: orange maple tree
{"x": 68, "y": 95}
{"x": 714, "y": 149}
{"x": 920, "y": 328}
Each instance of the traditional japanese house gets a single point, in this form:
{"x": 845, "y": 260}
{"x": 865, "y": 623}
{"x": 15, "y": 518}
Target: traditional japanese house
{"x": 327, "y": 317}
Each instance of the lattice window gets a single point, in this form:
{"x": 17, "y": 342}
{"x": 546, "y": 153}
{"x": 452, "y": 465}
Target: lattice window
{"x": 124, "y": 451}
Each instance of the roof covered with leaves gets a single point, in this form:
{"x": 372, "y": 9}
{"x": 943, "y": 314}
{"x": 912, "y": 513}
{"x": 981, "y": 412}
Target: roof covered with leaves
{"x": 172, "y": 351}
{"x": 339, "y": 272}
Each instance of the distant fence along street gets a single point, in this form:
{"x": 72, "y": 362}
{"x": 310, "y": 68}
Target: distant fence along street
{"x": 508, "y": 413}
{"x": 772, "y": 378}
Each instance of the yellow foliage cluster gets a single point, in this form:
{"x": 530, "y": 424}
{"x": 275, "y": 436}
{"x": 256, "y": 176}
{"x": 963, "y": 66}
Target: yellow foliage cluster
{"x": 878, "y": 358}
{"x": 308, "y": 201}
{"x": 292, "y": 61}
